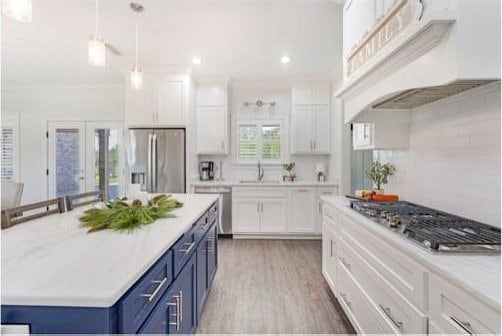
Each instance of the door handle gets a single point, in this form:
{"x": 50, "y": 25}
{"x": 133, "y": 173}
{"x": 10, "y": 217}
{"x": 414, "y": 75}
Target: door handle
{"x": 389, "y": 314}
{"x": 466, "y": 326}
{"x": 154, "y": 163}
{"x": 189, "y": 248}
{"x": 156, "y": 291}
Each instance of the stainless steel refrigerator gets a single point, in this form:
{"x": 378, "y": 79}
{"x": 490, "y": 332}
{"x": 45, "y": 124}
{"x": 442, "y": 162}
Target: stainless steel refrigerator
{"x": 156, "y": 159}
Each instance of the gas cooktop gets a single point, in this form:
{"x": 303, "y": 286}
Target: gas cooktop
{"x": 432, "y": 229}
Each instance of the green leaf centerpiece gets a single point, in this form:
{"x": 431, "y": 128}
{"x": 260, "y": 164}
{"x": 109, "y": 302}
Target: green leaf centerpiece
{"x": 118, "y": 215}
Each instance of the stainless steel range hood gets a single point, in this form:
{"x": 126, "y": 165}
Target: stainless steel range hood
{"x": 413, "y": 98}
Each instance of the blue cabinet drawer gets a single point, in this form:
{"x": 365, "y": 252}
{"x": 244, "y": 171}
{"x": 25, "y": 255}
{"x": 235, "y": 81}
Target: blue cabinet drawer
{"x": 201, "y": 227}
{"x": 214, "y": 212}
{"x": 183, "y": 249}
{"x": 136, "y": 304}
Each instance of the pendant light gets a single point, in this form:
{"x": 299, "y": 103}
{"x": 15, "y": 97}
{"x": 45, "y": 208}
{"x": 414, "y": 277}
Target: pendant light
{"x": 19, "y": 10}
{"x": 97, "y": 49}
{"x": 136, "y": 74}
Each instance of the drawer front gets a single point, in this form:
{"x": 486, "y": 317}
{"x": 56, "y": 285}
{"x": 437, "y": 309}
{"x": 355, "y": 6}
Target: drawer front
{"x": 143, "y": 296}
{"x": 402, "y": 272}
{"x": 259, "y": 192}
{"x": 354, "y": 302}
{"x": 183, "y": 249}
{"x": 330, "y": 213}
{"x": 396, "y": 311}
{"x": 214, "y": 213}
{"x": 452, "y": 310}
{"x": 202, "y": 226}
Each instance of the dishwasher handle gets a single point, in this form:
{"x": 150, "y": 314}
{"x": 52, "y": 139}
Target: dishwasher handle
{"x": 206, "y": 190}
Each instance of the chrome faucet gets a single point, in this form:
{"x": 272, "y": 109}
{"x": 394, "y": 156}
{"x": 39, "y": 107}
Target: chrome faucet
{"x": 260, "y": 172}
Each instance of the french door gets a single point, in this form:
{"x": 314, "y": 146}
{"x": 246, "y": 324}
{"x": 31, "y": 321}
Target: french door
{"x": 85, "y": 156}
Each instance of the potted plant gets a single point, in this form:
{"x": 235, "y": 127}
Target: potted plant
{"x": 289, "y": 174}
{"x": 379, "y": 173}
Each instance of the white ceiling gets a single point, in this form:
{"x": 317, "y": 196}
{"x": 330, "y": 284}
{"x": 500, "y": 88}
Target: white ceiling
{"x": 236, "y": 38}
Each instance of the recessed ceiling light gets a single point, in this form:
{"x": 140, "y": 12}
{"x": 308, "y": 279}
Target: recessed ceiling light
{"x": 197, "y": 60}
{"x": 285, "y": 59}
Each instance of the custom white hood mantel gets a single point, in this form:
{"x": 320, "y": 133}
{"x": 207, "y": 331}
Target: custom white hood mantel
{"x": 445, "y": 47}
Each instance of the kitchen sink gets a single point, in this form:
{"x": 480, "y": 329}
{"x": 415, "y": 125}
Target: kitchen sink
{"x": 258, "y": 182}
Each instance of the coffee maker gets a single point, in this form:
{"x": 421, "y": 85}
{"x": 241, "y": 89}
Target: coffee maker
{"x": 206, "y": 170}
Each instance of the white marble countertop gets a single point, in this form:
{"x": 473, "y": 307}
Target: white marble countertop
{"x": 235, "y": 183}
{"x": 52, "y": 261}
{"x": 477, "y": 274}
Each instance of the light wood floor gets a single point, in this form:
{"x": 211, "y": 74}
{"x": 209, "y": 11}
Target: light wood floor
{"x": 271, "y": 286}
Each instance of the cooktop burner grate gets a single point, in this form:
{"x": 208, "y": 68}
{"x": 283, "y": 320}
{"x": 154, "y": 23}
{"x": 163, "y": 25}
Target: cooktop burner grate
{"x": 432, "y": 228}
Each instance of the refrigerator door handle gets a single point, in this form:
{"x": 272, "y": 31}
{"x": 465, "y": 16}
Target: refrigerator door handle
{"x": 154, "y": 163}
{"x": 149, "y": 165}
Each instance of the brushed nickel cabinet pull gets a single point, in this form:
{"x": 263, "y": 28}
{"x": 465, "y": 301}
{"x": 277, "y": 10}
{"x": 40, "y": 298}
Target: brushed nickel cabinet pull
{"x": 346, "y": 300}
{"x": 189, "y": 248}
{"x": 177, "y": 315}
{"x": 466, "y": 326}
{"x": 156, "y": 291}
{"x": 345, "y": 263}
{"x": 389, "y": 314}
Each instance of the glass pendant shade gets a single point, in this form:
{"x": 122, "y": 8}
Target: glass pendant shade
{"x": 136, "y": 78}
{"x": 97, "y": 52}
{"x": 19, "y": 10}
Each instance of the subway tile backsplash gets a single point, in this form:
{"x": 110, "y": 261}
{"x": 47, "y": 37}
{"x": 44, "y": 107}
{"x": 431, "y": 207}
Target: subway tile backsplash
{"x": 453, "y": 163}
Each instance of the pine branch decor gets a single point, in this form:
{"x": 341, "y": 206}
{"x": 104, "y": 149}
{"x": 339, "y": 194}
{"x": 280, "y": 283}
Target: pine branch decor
{"x": 118, "y": 215}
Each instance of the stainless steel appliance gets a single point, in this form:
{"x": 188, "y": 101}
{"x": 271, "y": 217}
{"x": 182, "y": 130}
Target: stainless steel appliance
{"x": 432, "y": 229}
{"x": 225, "y": 226}
{"x": 156, "y": 159}
{"x": 206, "y": 170}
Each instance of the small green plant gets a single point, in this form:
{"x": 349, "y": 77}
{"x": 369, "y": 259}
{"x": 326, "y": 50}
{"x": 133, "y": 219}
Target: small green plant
{"x": 289, "y": 167}
{"x": 379, "y": 173}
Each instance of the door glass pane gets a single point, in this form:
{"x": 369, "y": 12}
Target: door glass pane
{"x": 67, "y": 162}
{"x": 106, "y": 161}
{"x": 271, "y": 142}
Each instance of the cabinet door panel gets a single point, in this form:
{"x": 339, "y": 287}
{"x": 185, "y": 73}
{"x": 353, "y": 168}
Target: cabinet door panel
{"x": 302, "y": 130}
{"x": 322, "y": 130}
{"x": 302, "y": 210}
{"x": 245, "y": 215}
{"x": 321, "y": 96}
{"x": 184, "y": 292}
{"x": 273, "y": 214}
{"x": 202, "y": 287}
{"x": 138, "y": 106}
{"x": 170, "y": 103}
{"x": 212, "y": 254}
{"x": 329, "y": 255}
{"x": 211, "y": 130}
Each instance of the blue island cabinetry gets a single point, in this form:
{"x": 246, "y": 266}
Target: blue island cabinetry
{"x": 168, "y": 299}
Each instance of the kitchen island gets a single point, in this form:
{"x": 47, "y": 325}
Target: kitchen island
{"x": 57, "y": 278}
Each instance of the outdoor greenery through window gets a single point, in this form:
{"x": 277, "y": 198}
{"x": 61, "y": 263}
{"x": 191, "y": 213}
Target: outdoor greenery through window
{"x": 259, "y": 141}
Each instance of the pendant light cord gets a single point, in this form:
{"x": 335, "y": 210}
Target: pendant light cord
{"x": 97, "y": 18}
{"x": 137, "y": 38}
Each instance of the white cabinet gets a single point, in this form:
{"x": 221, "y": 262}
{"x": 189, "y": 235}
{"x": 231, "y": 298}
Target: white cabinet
{"x": 454, "y": 311}
{"x": 170, "y": 103}
{"x": 160, "y": 103}
{"x": 273, "y": 215}
{"x": 302, "y": 207}
{"x": 382, "y": 130}
{"x": 311, "y": 95}
{"x": 245, "y": 215}
{"x": 362, "y": 136}
{"x": 212, "y": 130}
{"x": 212, "y": 120}
{"x": 329, "y": 254}
{"x": 311, "y": 130}
{"x": 259, "y": 211}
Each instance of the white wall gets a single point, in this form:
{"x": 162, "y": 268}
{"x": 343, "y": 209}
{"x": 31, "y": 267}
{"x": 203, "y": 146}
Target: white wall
{"x": 267, "y": 91}
{"x": 35, "y": 105}
{"x": 453, "y": 163}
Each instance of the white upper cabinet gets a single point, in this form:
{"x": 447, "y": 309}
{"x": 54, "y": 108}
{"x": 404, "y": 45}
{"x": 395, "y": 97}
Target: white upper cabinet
{"x": 311, "y": 95}
{"x": 310, "y": 130}
{"x": 170, "y": 106}
{"x": 212, "y": 120}
{"x": 161, "y": 102}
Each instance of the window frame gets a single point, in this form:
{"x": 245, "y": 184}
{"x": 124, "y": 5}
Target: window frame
{"x": 13, "y": 122}
{"x": 259, "y": 123}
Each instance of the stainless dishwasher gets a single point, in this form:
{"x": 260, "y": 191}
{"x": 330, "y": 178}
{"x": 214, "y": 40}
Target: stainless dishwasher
{"x": 225, "y": 193}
